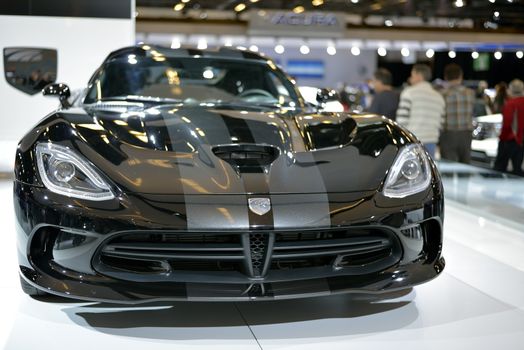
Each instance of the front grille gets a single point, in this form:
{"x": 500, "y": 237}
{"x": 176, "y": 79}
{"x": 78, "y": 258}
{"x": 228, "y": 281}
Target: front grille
{"x": 249, "y": 254}
{"x": 337, "y": 248}
{"x": 183, "y": 251}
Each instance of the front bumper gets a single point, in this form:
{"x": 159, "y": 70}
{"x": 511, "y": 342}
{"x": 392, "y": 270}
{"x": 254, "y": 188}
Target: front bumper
{"x": 68, "y": 266}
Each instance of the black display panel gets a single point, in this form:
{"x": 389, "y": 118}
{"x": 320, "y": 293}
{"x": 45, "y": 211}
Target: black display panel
{"x": 68, "y": 8}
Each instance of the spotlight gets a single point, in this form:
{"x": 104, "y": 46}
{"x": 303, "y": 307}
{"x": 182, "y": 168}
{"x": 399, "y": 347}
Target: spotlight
{"x": 498, "y": 55}
{"x": 474, "y": 55}
{"x": 179, "y": 7}
{"x": 355, "y": 51}
{"x": 519, "y": 54}
{"x": 304, "y": 49}
{"x": 202, "y": 44}
{"x": 240, "y": 7}
{"x": 452, "y": 54}
{"x": 405, "y": 52}
{"x": 430, "y": 53}
{"x": 175, "y": 43}
{"x": 331, "y": 50}
{"x": 382, "y": 51}
{"x": 279, "y": 49}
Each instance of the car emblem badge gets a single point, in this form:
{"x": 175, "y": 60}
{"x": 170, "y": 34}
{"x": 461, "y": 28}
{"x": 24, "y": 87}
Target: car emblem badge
{"x": 259, "y": 206}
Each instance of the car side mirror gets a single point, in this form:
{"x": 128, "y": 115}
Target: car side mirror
{"x": 60, "y": 90}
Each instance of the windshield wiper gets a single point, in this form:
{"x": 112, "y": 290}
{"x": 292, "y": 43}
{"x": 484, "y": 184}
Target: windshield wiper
{"x": 139, "y": 98}
{"x": 241, "y": 103}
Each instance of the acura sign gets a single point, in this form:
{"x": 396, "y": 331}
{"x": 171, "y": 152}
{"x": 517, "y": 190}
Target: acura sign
{"x": 320, "y": 24}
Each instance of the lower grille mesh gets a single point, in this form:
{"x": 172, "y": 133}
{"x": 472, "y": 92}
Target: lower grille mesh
{"x": 257, "y": 245}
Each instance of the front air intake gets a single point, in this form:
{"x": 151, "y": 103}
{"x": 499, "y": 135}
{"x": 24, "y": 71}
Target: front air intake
{"x": 247, "y": 155}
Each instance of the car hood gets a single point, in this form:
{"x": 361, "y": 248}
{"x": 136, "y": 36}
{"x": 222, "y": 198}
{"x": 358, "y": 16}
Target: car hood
{"x": 226, "y": 150}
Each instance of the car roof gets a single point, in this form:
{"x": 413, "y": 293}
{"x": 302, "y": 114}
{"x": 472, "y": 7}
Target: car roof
{"x": 147, "y": 50}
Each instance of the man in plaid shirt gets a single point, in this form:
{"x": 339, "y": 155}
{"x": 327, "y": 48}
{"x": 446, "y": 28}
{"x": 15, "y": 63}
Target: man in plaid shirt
{"x": 455, "y": 137}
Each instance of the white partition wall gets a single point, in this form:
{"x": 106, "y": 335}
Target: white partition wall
{"x": 81, "y": 43}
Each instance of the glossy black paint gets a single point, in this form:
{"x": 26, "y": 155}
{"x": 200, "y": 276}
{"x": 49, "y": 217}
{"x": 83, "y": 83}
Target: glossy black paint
{"x": 178, "y": 169}
{"x": 59, "y": 90}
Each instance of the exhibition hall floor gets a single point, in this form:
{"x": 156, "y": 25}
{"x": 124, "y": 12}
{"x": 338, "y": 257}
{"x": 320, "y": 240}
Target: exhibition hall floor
{"x": 477, "y": 303}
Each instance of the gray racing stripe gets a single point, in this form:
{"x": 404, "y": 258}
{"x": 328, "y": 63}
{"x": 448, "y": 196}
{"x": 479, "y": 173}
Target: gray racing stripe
{"x": 307, "y": 209}
{"x": 204, "y": 178}
{"x": 310, "y": 209}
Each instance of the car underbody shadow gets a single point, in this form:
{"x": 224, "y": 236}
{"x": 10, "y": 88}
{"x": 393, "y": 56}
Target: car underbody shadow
{"x": 169, "y": 319}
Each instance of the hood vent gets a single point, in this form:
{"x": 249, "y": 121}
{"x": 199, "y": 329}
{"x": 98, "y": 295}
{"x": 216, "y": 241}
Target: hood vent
{"x": 247, "y": 156}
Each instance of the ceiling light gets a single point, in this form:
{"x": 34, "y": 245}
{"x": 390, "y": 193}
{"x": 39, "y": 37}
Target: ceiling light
{"x": 202, "y": 44}
{"x": 304, "y": 49}
{"x": 382, "y": 51}
{"x": 279, "y": 49}
{"x": 429, "y": 53}
{"x": 253, "y": 1}
{"x": 185, "y": 1}
{"x": 253, "y": 48}
{"x": 492, "y": 1}
{"x": 179, "y": 7}
{"x": 498, "y": 55}
{"x": 475, "y": 55}
{"x": 519, "y": 54}
{"x": 405, "y": 52}
{"x": 458, "y": 3}
{"x": 331, "y": 50}
{"x": 355, "y": 51}
{"x": 175, "y": 43}
{"x": 240, "y": 7}
{"x": 354, "y": 1}
{"x": 452, "y": 54}
{"x": 388, "y": 23}
{"x": 299, "y": 9}
{"x": 496, "y": 14}
{"x": 317, "y": 2}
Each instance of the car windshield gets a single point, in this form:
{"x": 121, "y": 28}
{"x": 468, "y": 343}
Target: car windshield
{"x": 192, "y": 80}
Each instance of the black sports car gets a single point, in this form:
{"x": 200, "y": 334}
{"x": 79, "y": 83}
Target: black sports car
{"x": 202, "y": 175}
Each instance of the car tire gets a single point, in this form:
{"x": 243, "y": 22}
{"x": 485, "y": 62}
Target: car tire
{"x": 31, "y": 290}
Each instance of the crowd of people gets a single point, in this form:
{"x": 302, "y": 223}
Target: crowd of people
{"x": 443, "y": 116}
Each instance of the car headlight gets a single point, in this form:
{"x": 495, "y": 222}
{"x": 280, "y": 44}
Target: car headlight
{"x": 64, "y": 172}
{"x": 409, "y": 174}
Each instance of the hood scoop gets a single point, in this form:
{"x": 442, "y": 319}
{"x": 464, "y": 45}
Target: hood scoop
{"x": 247, "y": 157}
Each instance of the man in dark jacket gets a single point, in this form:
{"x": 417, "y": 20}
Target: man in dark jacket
{"x": 512, "y": 132}
{"x": 385, "y": 101}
